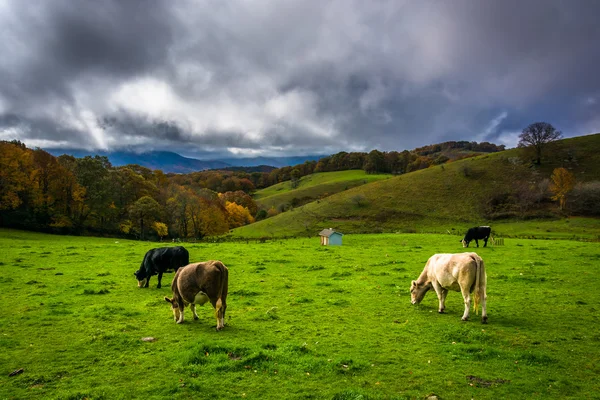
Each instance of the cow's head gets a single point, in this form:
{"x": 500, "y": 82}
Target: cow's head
{"x": 141, "y": 278}
{"x": 417, "y": 291}
{"x": 465, "y": 243}
{"x": 174, "y": 308}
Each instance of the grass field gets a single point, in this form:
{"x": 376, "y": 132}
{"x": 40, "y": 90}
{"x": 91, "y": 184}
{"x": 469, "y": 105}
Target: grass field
{"x": 303, "y": 322}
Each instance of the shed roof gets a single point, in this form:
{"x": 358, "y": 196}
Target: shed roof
{"x": 329, "y": 232}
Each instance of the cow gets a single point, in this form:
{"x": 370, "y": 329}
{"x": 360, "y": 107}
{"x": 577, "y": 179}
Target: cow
{"x": 198, "y": 283}
{"x": 159, "y": 260}
{"x": 478, "y": 232}
{"x": 464, "y": 272}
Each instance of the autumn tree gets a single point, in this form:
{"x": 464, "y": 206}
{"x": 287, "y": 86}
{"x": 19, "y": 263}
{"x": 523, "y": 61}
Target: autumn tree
{"x": 161, "y": 229}
{"x": 240, "y": 197}
{"x": 237, "y": 215}
{"x": 537, "y": 136}
{"x": 562, "y": 183}
{"x": 16, "y": 166}
{"x": 212, "y": 221}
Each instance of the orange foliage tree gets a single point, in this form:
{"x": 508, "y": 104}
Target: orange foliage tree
{"x": 237, "y": 215}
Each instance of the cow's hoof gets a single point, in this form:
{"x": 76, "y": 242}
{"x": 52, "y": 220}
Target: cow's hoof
{"x": 158, "y": 286}
{"x": 484, "y": 320}
{"x": 464, "y": 319}
{"x": 441, "y": 312}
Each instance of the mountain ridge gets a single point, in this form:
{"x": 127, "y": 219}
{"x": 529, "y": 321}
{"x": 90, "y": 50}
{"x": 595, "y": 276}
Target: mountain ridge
{"x": 171, "y": 162}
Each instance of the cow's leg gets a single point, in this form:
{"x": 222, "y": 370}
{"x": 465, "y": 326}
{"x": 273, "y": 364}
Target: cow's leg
{"x": 193, "y": 308}
{"x": 219, "y": 313}
{"x": 476, "y": 242}
{"x": 148, "y": 281}
{"x": 443, "y": 301}
{"x": 159, "y": 279}
{"x": 467, "y": 299}
{"x": 222, "y": 311}
{"x": 485, "y": 239}
{"x": 483, "y": 309}
{"x": 441, "y": 294}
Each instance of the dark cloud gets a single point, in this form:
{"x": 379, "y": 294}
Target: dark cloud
{"x": 294, "y": 77}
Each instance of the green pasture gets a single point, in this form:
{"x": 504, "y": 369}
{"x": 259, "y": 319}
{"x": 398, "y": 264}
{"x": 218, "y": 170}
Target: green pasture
{"x": 303, "y": 322}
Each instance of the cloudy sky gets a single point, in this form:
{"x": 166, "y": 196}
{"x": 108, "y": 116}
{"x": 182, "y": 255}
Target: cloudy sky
{"x": 294, "y": 77}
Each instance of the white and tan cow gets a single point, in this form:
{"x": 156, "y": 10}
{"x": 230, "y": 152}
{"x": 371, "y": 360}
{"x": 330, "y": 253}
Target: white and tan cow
{"x": 198, "y": 283}
{"x": 463, "y": 272}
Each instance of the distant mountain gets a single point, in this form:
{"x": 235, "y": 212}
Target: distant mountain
{"x": 172, "y": 162}
{"x": 277, "y": 162}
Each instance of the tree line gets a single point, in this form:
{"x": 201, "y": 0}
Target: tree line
{"x": 88, "y": 195}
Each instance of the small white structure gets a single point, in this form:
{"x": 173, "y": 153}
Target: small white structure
{"x": 329, "y": 237}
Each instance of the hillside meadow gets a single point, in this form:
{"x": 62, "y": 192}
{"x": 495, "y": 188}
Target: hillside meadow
{"x": 447, "y": 197}
{"x": 303, "y": 322}
{"x": 312, "y": 187}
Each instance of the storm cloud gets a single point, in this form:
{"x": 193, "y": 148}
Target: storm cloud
{"x": 294, "y": 77}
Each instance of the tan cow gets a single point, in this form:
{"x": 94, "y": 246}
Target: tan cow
{"x": 198, "y": 283}
{"x": 464, "y": 272}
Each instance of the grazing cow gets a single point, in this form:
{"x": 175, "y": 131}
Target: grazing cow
{"x": 464, "y": 272}
{"x": 197, "y": 283}
{"x": 478, "y": 232}
{"x": 157, "y": 261}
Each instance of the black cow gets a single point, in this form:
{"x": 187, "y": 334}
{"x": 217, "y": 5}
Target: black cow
{"x": 478, "y": 232}
{"x": 157, "y": 261}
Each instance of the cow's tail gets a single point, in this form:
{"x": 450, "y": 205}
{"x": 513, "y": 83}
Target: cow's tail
{"x": 480, "y": 283}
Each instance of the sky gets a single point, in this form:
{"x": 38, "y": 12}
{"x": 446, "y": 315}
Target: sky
{"x": 214, "y": 78}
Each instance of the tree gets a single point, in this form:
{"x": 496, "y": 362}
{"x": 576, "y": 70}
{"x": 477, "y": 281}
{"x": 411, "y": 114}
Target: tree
{"x": 295, "y": 176}
{"x": 237, "y": 215}
{"x": 16, "y": 167}
{"x": 143, "y": 213}
{"x": 375, "y": 162}
{"x": 239, "y": 197}
{"x": 161, "y": 229}
{"x": 536, "y": 136}
{"x": 562, "y": 183}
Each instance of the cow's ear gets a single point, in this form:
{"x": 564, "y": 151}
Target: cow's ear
{"x": 168, "y": 300}
{"x": 413, "y": 284}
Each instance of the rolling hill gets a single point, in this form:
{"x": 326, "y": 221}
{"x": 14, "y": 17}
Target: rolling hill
{"x": 313, "y": 187}
{"x": 442, "y": 198}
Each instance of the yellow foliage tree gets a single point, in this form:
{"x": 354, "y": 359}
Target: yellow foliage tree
{"x": 562, "y": 183}
{"x": 237, "y": 215}
{"x": 161, "y": 229}
{"x": 212, "y": 222}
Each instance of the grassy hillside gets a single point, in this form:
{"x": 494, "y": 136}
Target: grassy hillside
{"x": 313, "y": 187}
{"x": 448, "y": 197}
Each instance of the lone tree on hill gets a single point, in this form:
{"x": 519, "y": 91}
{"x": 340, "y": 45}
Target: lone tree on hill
{"x": 537, "y": 136}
